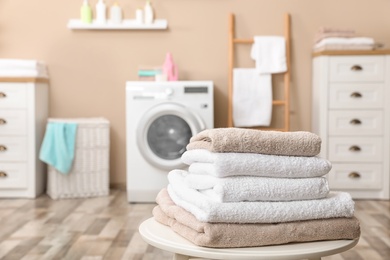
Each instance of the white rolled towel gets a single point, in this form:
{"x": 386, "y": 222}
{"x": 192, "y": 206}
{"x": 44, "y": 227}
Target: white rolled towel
{"x": 336, "y": 204}
{"x": 253, "y": 188}
{"x": 202, "y": 161}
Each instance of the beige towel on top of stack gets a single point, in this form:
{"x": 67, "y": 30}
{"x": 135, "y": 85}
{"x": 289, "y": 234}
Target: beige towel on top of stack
{"x": 241, "y": 140}
{"x": 223, "y": 235}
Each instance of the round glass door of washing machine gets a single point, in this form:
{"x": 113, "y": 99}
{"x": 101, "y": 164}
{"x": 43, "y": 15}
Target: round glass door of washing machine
{"x": 164, "y": 132}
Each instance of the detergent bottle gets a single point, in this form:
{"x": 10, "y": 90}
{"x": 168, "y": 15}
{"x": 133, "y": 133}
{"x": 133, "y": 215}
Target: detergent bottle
{"x": 170, "y": 69}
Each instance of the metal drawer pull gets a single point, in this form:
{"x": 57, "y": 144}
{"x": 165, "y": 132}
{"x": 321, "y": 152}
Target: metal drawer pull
{"x": 3, "y": 174}
{"x": 356, "y": 68}
{"x": 2, "y": 121}
{"x": 354, "y": 148}
{"x": 2, "y": 95}
{"x": 3, "y": 148}
{"x": 356, "y": 95}
{"x": 354, "y": 175}
{"x": 355, "y": 122}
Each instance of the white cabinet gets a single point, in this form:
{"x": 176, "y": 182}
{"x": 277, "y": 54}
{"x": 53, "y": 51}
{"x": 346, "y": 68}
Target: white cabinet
{"x": 351, "y": 113}
{"x": 23, "y": 116}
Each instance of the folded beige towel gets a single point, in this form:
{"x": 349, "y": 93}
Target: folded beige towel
{"x": 320, "y": 36}
{"x": 335, "y": 30}
{"x": 240, "y": 140}
{"x": 223, "y": 235}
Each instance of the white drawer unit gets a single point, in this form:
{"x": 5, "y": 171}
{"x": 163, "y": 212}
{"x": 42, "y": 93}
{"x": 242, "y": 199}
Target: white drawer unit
{"x": 23, "y": 116}
{"x": 351, "y": 114}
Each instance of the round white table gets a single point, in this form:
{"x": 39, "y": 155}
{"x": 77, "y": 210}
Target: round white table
{"x": 165, "y": 238}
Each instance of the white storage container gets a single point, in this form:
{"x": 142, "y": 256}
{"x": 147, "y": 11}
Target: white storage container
{"x": 89, "y": 175}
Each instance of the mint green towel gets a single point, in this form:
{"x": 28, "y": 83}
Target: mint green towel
{"x": 58, "y": 146}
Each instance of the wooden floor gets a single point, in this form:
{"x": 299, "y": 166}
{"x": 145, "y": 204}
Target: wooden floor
{"x": 107, "y": 228}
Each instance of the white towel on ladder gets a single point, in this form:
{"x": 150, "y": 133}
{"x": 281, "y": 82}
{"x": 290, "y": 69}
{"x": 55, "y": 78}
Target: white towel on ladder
{"x": 252, "y": 98}
{"x": 269, "y": 52}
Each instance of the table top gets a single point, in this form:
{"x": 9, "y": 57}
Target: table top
{"x": 165, "y": 238}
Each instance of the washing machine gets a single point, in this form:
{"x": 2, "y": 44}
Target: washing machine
{"x": 161, "y": 117}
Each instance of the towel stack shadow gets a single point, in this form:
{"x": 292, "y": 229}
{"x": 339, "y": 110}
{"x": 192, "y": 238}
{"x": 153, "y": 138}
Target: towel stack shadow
{"x": 248, "y": 188}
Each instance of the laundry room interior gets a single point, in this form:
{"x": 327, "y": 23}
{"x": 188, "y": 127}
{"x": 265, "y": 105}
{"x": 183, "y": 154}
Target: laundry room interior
{"x": 101, "y": 99}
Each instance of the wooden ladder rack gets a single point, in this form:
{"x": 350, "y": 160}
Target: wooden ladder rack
{"x": 285, "y": 102}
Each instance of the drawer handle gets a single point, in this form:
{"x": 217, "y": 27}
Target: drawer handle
{"x": 356, "y": 68}
{"x": 354, "y": 148}
{"x": 2, "y": 95}
{"x": 3, "y": 148}
{"x": 3, "y": 174}
{"x": 356, "y": 95}
{"x": 354, "y": 175}
{"x": 355, "y": 122}
{"x": 2, "y": 121}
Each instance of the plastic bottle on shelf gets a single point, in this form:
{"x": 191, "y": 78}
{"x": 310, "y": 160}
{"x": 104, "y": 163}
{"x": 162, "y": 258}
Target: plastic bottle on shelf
{"x": 116, "y": 13}
{"x": 139, "y": 16}
{"x": 148, "y": 13}
{"x": 101, "y": 12}
{"x": 86, "y": 12}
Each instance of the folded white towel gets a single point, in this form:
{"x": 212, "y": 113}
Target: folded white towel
{"x": 269, "y": 53}
{"x": 347, "y": 41}
{"x": 202, "y": 161}
{"x": 248, "y": 188}
{"x": 23, "y": 73}
{"x": 336, "y": 204}
{"x": 20, "y": 64}
{"x": 252, "y": 98}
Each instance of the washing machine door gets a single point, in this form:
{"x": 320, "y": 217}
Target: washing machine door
{"x": 164, "y": 132}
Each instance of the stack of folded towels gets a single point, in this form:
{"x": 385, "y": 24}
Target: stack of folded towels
{"x": 23, "y": 68}
{"x": 254, "y": 188}
{"x": 341, "y": 39}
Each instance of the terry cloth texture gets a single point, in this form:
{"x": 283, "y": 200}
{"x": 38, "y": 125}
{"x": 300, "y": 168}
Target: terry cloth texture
{"x": 202, "y": 161}
{"x": 223, "y": 235}
{"x": 248, "y": 188}
{"x": 335, "y": 205}
{"x": 239, "y": 140}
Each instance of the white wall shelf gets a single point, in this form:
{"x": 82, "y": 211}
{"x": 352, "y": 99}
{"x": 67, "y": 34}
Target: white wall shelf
{"x": 127, "y": 24}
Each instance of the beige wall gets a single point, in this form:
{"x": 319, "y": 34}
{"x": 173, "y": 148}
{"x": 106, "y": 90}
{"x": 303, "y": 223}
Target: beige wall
{"x": 88, "y": 69}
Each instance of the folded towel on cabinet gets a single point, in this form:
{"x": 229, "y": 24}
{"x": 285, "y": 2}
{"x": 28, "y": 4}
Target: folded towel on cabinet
{"x": 336, "y": 204}
{"x": 248, "y": 188}
{"x": 345, "y": 41}
{"x": 202, "y": 161}
{"x": 21, "y": 64}
{"x": 241, "y": 140}
{"x": 269, "y": 53}
{"x": 221, "y": 235}
{"x": 252, "y": 98}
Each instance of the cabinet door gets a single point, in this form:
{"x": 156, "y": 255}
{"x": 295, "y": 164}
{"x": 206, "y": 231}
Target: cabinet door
{"x": 355, "y": 122}
{"x": 13, "y": 175}
{"x": 357, "y": 69}
{"x": 355, "y": 176}
{"x": 355, "y": 149}
{"x": 13, "y": 149}
{"x": 13, "y": 95}
{"x": 356, "y": 96}
{"x": 13, "y": 122}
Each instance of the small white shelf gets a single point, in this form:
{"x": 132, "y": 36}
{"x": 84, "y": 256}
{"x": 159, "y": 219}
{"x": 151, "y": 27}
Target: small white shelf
{"x": 127, "y": 24}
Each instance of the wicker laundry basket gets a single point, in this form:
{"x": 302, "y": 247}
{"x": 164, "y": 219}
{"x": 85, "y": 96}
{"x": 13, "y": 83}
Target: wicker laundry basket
{"x": 89, "y": 176}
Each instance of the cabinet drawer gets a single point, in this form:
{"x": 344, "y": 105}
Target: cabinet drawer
{"x": 13, "y": 95}
{"x": 357, "y": 69}
{"x": 359, "y": 96}
{"x": 13, "y": 148}
{"x": 355, "y": 176}
{"x": 13, "y": 122}
{"x": 13, "y": 175}
{"x": 355, "y": 149}
{"x": 355, "y": 122}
